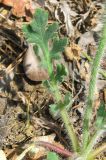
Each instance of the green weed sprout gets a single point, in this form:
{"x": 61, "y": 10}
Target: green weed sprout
{"x": 46, "y": 38}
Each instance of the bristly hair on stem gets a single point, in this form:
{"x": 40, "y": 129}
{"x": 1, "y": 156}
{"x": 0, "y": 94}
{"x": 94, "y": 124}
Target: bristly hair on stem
{"x": 92, "y": 88}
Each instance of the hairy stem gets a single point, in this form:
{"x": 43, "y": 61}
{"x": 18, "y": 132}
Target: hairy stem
{"x": 93, "y": 141}
{"x": 97, "y": 151}
{"x": 92, "y": 86}
{"x": 55, "y": 148}
{"x": 66, "y": 120}
{"x": 70, "y": 129}
{"x": 57, "y": 95}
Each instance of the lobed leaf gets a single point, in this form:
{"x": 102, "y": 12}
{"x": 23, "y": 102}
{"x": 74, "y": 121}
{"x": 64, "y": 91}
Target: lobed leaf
{"x": 31, "y": 37}
{"x": 51, "y": 31}
{"x": 61, "y": 73}
{"x": 54, "y": 111}
{"x": 35, "y": 31}
{"x": 66, "y": 103}
{"x": 40, "y": 34}
{"x": 39, "y": 22}
{"x": 58, "y": 46}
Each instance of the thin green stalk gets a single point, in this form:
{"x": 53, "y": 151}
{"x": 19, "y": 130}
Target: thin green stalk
{"x": 90, "y": 146}
{"x": 70, "y": 129}
{"x": 87, "y": 56}
{"x": 97, "y": 151}
{"x": 66, "y": 120}
{"x": 63, "y": 113}
{"x": 92, "y": 86}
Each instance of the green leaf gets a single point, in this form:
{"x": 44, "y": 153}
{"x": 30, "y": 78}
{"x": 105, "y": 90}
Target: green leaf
{"x": 51, "y": 31}
{"x": 68, "y": 100}
{"x": 52, "y": 156}
{"x": 40, "y": 33}
{"x": 31, "y": 37}
{"x": 60, "y": 73}
{"x": 55, "y": 108}
{"x": 46, "y": 83}
{"x": 101, "y": 117}
{"x": 35, "y": 31}
{"x": 39, "y": 21}
{"x": 58, "y": 46}
{"x": 102, "y": 111}
{"x": 54, "y": 111}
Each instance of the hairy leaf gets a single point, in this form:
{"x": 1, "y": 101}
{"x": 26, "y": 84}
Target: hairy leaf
{"x": 68, "y": 100}
{"x": 61, "y": 72}
{"x": 54, "y": 111}
{"x": 101, "y": 116}
{"x": 31, "y": 37}
{"x": 58, "y": 46}
{"x": 35, "y": 31}
{"x": 55, "y": 108}
{"x": 41, "y": 17}
{"x": 45, "y": 36}
{"x": 51, "y": 31}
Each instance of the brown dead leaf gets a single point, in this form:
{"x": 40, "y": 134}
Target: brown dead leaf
{"x": 101, "y": 84}
{"x": 11, "y": 153}
{"x": 7, "y": 2}
{"x": 73, "y": 52}
{"x": 64, "y": 14}
{"x": 34, "y": 152}
{"x": 19, "y": 7}
{"x": 85, "y": 72}
{"x": 87, "y": 42}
